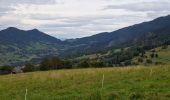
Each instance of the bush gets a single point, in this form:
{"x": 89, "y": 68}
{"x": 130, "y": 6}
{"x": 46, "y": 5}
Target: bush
{"x": 6, "y": 69}
{"x": 159, "y": 63}
{"x": 156, "y": 55}
{"x": 83, "y": 64}
{"x": 51, "y": 63}
{"x": 148, "y": 61}
{"x": 67, "y": 64}
{"x": 140, "y": 60}
{"x": 127, "y": 62}
{"x": 153, "y": 51}
{"x": 152, "y": 55}
{"x": 56, "y": 63}
{"x": 29, "y": 67}
{"x": 135, "y": 63}
{"x": 44, "y": 65}
{"x": 164, "y": 46}
{"x": 97, "y": 64}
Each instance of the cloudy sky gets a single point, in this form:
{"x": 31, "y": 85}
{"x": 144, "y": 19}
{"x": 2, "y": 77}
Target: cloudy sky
{"x": 78, "y": 18}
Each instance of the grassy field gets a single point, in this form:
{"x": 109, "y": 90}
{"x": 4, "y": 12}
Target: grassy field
{"x": 127, "y": 83}
{"x": 163, "y": 56}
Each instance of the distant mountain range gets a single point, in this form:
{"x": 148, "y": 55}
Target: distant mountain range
{"x": 18, "y": 46}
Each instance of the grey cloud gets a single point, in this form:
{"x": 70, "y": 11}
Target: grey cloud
{"x": 155, "y": 14}
{"x": 70, "y": 19}
{"x": 62, "y": 25}
{"x": 5, "y": 10}
{"x": 75, "y": 22}
{"x": 46, "y": 17}
{"x": 6, "y": 6}
{"x": 66, "y": 32}
{"x": 14, "y": 2}
{"x": 143, "y": 6}
{"x": 90, "y": 25}
{"x": 79, "y": 26}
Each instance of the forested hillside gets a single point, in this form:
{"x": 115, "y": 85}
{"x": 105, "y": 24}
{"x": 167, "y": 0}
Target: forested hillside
{"x": 20, "y": 46}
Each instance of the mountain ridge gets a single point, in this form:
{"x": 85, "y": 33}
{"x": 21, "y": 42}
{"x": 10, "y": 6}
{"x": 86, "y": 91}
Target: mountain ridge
{"x": 34, "y": 44}
{"x": 118, "y": 37}
{"x": 19, "y": 45}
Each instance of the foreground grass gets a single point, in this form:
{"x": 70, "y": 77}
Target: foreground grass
{"x": 128, "y": 83}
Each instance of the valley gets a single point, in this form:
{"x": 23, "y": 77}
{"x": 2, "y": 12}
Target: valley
{"x": 22, "y": 46}
{"x": 84, "y": 50}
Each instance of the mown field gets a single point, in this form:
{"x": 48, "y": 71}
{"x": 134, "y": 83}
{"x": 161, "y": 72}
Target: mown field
{"x": 126, "y": 83}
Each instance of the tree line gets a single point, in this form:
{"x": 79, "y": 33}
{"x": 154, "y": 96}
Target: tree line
{"x": 122, "y": 58}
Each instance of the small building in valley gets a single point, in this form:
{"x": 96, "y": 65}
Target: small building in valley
{"x": 17, "y": 69}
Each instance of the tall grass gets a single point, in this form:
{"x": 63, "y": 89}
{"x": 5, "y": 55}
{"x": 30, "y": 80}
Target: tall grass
{"x": 123, "y": 83}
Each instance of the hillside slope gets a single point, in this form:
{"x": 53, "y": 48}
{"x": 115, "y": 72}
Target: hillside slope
{"x": 157, "y": 29}
{"x": 156, "y": 56}
{"x": 159, "y": 55}
{"x": 18, "y": 46}
{"x": 127, "y": 83}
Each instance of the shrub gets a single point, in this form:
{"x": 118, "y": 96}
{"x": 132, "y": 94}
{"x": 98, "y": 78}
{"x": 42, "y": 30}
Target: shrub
{"x": 44, "y": 65}
{"x": 156, "y": 55}
{"x": 67, "y": 64}
{"x": 84, "y": 64}
{"x": 6, "y": 69}
{"x": 97, "y": 64}
{"x": 152, "y": 55}
{"x": 127, "y": 62}
{"x": 153, "y": 51}
{"x": 51, "y": 63}
{"x": 159, "y": 63}
{"x": 29, "y": 67}
{"x": 148, "y": 61}
{"x": 56, "y": 63}
{"x": 140, "y": 60}
{"x": 164, "y": 46}
{"x": 135, "y": 63}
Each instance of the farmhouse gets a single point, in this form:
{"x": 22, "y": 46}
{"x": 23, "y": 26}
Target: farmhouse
{"x": 17, "y": 69}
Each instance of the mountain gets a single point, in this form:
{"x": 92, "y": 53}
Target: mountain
{"x": 121, "y": 47}
{"x": 19, "y": 46}
{"x": 122, "y": 37}
{"x": 14, "y": 35}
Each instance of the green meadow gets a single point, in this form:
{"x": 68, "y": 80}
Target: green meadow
{"x": 163, "y": 56}
{"x": 118, "y": 83}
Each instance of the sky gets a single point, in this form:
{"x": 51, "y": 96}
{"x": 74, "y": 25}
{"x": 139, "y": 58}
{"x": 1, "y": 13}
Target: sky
{"x": 66, "y": 19}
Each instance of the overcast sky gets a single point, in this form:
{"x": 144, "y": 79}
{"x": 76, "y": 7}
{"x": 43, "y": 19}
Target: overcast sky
{"x": 79, "y": 18}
